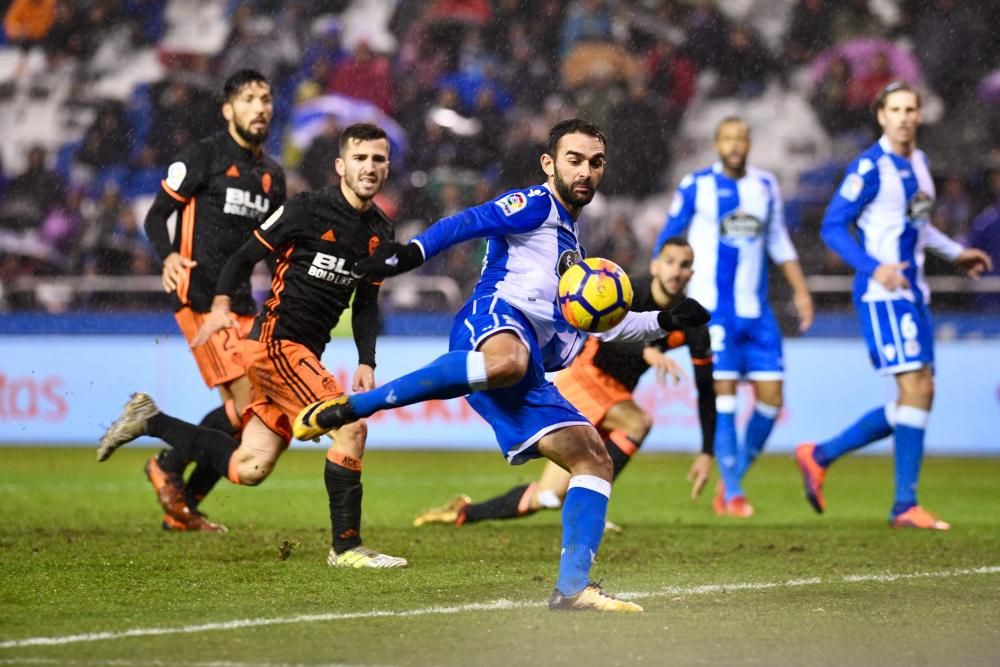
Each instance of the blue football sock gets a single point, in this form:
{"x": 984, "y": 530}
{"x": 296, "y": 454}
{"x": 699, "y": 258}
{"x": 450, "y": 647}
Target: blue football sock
{"x": 449, "y": 376}
{"x": 760, "y": 427}
{"x": 873, "y": 425}
{"x": 583, "y": 514}
{"x": 911, "y": 424}
{"x": 726, "y": 455}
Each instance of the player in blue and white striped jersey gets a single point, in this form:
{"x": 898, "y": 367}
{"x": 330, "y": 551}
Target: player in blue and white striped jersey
{"x": 887, "y": 197}
{"x": 510, "y": 333}
{"x": 733, "y": 216}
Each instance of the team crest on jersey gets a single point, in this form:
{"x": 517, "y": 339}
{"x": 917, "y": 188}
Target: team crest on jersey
{"x": 918, "y": 209}
{"x": 567, "y": 259}
{"x": 373, "y": 244}
{"x": 265, "y": 182}
{"x": 512, "y": 203}
{"x": 739, "y": 226}
{"x": 852, "y": 186}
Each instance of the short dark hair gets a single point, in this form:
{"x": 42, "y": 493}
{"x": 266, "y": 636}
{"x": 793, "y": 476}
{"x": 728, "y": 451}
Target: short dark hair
{"x": 678, "y": 241}
{"x": 894, "y": 87}
{"x": 572, "y": 126}
{"x": 361, "y": 132}
{"x": 730, "y": 119}
{"x": 234, "y": 84}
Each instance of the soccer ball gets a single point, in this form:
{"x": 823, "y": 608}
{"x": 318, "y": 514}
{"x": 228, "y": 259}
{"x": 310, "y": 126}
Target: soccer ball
{"x": 594, "y": 294}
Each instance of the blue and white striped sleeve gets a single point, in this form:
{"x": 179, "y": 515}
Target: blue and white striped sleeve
{"x": 681, "y": 213}
{"x": 779, "y": 245}
{"x": 857, "y": 190}
{"x": 513, "y": 213}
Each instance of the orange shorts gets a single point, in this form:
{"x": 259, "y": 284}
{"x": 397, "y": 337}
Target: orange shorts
{"x": 591, "y": 391}
{"x": 284, "y": 378}
{"x": 219, "y": 359}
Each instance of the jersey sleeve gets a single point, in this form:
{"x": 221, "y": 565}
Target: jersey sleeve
{"x": 857, "y": 190}
{"x": 185, "y": 175}
{"x": 513, "y": 213}
{"x": 282, "y": 225}
{"x": 939, "y": 243}
{"x": 779, "y": 245}
{"x": 680, "y": 215}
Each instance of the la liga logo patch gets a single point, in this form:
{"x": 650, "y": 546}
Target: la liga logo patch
{"x": 512, "y": 203}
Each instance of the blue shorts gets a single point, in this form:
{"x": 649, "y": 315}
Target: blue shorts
{"x": 899, "y": 333}
{"x": 746, "y": 347}
{"x": 520, "y": 415}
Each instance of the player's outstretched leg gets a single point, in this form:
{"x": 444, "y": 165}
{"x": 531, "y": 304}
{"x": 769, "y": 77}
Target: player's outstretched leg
{"x": 454, "y": 511}
{"x": 451, "y": 375}
{"x": 814, "y": 459}
{"x": 131, "y": 424}
{"x": 758, "y": 431}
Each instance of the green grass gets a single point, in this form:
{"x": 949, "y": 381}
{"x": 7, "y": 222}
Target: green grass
{"x": 81, "y": 552}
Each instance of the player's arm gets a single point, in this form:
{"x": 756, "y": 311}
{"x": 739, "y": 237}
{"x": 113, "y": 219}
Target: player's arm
{"x": 857, "y": 190}
{"x": 972, "y": 261}
{"x": 364, "y": 325}
{"x": 651, "y": 325}
{"x": 700, "y": 346}
{"x": 239, "y": 267}
{"x": 782, "y": 252}
{"x": 681, "y": 212}
{"x": 184, "y": 176}
{"x": 495, "y": 218}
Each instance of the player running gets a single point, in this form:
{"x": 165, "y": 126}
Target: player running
{"x": 887, "y": 197}
{"x": 733, "y": 216}
{"x": 221, "y": 189}
{"x": 317, "y": 238}
{"x": 600, "y": 383}
{"x": 510, "y": 333}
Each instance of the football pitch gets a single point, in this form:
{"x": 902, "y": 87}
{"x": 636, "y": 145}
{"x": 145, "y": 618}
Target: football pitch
{"x": 88, "y": 577}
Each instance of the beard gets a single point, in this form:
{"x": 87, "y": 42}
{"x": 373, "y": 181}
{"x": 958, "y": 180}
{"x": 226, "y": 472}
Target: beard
{"x": 568, "y": 195}
{"x": 252, "y": 138}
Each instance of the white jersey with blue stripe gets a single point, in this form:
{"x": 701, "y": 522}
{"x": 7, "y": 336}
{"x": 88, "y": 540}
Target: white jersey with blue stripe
{"x": 531, "y": 240}
{"x": 888, "y": 199}
{"x": 732, "y": 226}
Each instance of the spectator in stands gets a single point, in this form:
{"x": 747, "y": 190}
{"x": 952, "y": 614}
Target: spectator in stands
{"x": 832, "y": 99}
{"x": 27, "y": 22}
{"x": 950, "y": 41}
{"x": 317, "y": 165}
{"x": 107, "y": 141}
{"x": 28, "y": 198}
{"x": 953, "y": 209}
{"x": 527, "y": 74}
{"x": 744, "y": 66}
{"x": 637, "y": 146}
{"x": 364, "y": 75}
{"x": 671, "y": 75}
{"x": 706, "y": 29}
{"x": 854, "y": 18}
{"x": 61, "y": 227}
{"x": 808, "y": 32}
{"x": 864, "y": 89}
{"x": 586, "y": 21}
{"x": 985, "y": 234}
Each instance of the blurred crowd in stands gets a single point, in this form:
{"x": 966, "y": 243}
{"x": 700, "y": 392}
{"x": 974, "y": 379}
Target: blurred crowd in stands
{"x": 468, "y": 89}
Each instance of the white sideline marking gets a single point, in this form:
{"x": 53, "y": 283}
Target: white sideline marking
{"x": 671, "y": 591}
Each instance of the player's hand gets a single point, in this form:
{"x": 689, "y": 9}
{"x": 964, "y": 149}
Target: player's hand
{"x": 389, "y": 259}
{"x": 174, "y": 268}
{"x": 666, "y": 367}
{"x": 974, "y": 262}
{"x": 688, "y": 313}
{"x": 804, "y": 308}
{"x": 364, "y": 379}
{"x": 698, "y": 474}
{"x": 217, "y": 319}
{"x": 890, "y": 276}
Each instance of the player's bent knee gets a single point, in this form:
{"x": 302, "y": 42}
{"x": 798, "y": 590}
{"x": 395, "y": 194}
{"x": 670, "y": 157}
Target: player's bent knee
{"x": 253, "y": 472}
